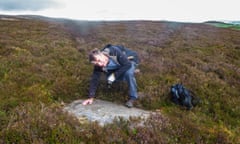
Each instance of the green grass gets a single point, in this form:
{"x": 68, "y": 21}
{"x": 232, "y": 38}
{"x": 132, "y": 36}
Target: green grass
{"x": 43, "y": 65}
{"x": 226, "y": 25}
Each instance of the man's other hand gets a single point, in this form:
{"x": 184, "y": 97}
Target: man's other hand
{"x": 87, "y": 101}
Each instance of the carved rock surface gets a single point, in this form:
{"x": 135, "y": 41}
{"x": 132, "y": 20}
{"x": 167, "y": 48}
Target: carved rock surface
{"x": 103, "y": 112}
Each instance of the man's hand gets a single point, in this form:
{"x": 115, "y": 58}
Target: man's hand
{"x": 111, "y": 78}
{"x": 87, "y": 101}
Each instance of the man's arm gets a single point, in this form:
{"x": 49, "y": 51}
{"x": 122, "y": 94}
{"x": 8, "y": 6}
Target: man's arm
{"x": 93, "y": 86}
{"x": 94, "y": 82}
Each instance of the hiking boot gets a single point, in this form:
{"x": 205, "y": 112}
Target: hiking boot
{"x": 129, "y": 103}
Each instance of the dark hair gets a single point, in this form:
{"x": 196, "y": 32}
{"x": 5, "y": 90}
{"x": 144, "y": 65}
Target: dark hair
{"x": 92, "y": 54}
{"x": 107, "y": 46}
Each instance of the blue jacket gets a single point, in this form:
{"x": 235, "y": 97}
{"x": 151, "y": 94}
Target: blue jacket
{"x": 119, "y": 58}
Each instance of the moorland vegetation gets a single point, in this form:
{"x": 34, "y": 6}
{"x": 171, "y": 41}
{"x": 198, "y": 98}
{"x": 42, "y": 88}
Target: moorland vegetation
{"x": 44, "y": 65}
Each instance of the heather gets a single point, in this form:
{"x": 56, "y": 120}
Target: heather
{"x": 44, "y": 66}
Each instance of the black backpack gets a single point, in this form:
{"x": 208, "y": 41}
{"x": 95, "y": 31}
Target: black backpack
{"x": 131, "y": 54}
{"x": 184, "y": 97}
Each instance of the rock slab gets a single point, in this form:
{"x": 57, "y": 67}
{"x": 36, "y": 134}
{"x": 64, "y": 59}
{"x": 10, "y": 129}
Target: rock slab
{"x": 104, "y": 112}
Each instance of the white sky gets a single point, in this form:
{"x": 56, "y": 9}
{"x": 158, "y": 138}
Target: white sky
{"x": 172, "y": 10}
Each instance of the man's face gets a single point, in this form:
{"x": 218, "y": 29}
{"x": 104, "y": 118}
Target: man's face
{"x": 100, "y": 60}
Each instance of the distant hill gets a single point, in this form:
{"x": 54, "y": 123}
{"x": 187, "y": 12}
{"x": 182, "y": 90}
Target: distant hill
{"x": 44, "y": 66}
{"x": 225, "y": 24}
{"x": 233, "y": 22}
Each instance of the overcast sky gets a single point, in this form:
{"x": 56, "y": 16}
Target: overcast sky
{"x": 172, "y": 10}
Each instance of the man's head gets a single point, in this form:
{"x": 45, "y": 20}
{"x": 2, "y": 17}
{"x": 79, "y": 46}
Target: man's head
{"x": 97, "y": 58}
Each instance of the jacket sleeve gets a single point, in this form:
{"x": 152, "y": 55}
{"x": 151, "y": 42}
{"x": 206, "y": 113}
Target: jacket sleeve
{"x": 94, "y": 82}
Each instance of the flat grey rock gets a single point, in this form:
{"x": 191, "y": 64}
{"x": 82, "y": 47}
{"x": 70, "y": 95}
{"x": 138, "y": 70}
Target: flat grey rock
{"x": 104, "y": 112}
